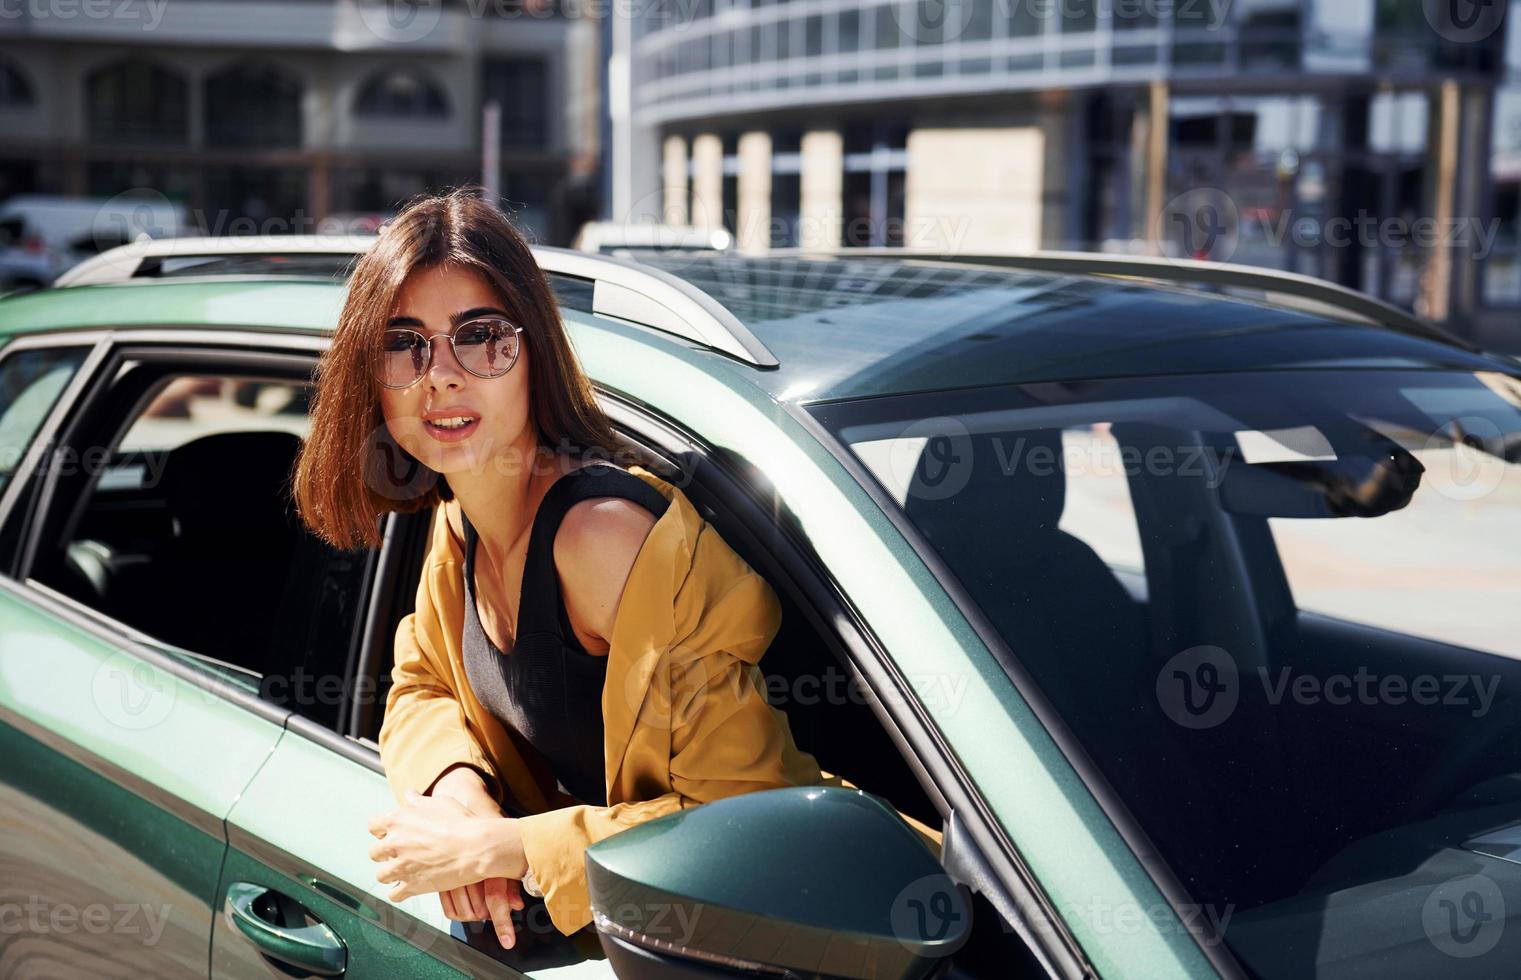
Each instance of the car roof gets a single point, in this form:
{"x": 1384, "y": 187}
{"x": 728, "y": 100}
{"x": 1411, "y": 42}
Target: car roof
{"x": 261, "y": 301}
{"x": 843, "y": 327}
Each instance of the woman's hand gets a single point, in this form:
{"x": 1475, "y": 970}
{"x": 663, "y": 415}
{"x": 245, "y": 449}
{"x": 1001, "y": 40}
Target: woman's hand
{"x": 472, "y": 903}
{"x": 436, "y": 844}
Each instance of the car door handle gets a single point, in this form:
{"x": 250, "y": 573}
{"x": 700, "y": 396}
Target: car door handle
{"x": 256, "y": 911}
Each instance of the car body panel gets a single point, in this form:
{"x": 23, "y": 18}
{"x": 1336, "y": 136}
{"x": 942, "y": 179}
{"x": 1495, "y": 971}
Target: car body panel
{"x": 311, "y": 306}
{"x": 327, "y": 868}
{"x": 115, "y": 793}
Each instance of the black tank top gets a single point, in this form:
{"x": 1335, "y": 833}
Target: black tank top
{"x": 549, "y": 689}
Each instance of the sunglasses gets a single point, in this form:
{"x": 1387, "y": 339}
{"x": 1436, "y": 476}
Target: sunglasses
{"x": 487, "y": 347}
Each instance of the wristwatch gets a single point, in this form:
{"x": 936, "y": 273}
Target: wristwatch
{"x": 531, "y": 885}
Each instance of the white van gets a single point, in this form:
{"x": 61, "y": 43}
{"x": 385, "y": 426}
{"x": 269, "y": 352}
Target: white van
{"x": 42, "y": 236}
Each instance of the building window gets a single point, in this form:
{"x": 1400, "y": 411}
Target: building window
{"x": 253, "y": 105}
{"x": 730, "y": 184}
{"x": 1078, "y": 16}
{"x": 15, "y": 91}
{"x": 1502, "y": 269}
{"x": 256, "y": 200}
{"x": 379, "y": 189}
{"x": 1271, "y": 39}
{"x": 107, "y": 178}
{"x": 1106, "y": 211}
{"x": 400, "y": 94}
{"x": 849, "y": 31}
{"x": 876, "y": 157}
{"x": 521, "y": 87}
{"x": 136, "y": 101}
{"x": 1287, "y": 176}
{"x": 786, "y": 187}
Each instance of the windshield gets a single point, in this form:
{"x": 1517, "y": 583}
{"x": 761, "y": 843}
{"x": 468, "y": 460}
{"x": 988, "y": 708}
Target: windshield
{"x": 1278, "y": 614}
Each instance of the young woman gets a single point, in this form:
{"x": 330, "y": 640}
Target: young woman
{"x": 583, "y": 652}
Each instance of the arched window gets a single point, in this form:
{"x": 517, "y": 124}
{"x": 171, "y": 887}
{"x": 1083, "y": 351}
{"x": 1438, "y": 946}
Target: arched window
{"x": 136, "y": 101}
{"x": 15, "y": 90}
{"x": 400, "y": 94}
{"x": 253, "y": 105}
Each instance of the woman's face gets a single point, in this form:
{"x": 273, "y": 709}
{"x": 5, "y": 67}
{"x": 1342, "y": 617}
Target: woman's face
{"x": 500, "y": 406}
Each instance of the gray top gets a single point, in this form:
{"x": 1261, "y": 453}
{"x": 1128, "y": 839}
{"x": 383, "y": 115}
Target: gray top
{"x": 549, "y": 688}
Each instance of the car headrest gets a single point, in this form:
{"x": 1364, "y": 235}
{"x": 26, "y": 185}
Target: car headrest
{"x": 991, "y": 487}
{"x": 235, "y": 480}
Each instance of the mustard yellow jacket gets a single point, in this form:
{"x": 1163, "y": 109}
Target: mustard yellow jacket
{"x": 684, "y": 713}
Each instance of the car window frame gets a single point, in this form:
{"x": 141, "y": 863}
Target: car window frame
{"x": 279, "y": 352}
{"x": 19, "y": 497}
{"x": 982, "y": 851}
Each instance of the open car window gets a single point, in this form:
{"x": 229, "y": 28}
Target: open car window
{"x": 180, "y": 526}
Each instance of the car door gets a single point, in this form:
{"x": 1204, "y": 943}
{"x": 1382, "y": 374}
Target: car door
{"x": 300, "y": 830}
{"x": 134, "y": 710}
{"x": 111, "y": 795}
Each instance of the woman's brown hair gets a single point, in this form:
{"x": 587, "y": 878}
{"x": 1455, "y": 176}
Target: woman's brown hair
{"x": 351, "y": 471}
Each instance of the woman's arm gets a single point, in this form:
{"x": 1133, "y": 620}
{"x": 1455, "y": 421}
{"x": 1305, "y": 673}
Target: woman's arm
{"x": 426, "y": 746}
{"x": 424, "y": 734}
{"x": 725, "y": 739}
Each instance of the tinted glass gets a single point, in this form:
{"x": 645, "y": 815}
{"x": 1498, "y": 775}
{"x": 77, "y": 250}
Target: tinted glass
{"x": 1277, "y": 613}
{"x": 30, "y": 383}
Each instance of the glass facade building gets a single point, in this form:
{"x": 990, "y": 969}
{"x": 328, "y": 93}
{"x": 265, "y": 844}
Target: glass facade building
{"x": 1370, "y": 142}
{"x": 277, "y": 116}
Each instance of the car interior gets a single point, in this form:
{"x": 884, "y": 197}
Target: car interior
{"x": 188, "y": 534}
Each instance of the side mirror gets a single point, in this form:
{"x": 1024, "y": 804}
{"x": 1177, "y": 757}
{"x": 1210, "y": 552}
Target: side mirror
{"x": 808, "y": 879}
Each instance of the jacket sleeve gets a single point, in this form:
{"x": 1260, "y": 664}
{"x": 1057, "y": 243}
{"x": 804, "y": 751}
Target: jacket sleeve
{"x": 726, "y": 739}
{"x": 424, "y": 730}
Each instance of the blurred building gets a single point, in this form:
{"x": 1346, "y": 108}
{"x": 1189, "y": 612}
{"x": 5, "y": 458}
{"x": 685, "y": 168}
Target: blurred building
{"x": 1372, "y": 142}
{"x": 273, "y": 114}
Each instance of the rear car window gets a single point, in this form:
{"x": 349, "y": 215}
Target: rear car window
{"x": 30, "y": 383}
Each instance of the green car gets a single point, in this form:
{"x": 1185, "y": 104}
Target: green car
{"x": 1183, "y": 598}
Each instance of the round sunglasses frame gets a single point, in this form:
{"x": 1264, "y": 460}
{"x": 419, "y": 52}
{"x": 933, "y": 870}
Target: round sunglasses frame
{"x": 377, "y": 370}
